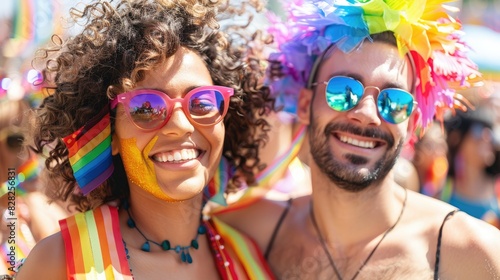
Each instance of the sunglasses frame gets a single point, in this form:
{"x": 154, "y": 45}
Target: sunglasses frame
{"x": 415, "y": 103}
{"x": 126, "y": 97}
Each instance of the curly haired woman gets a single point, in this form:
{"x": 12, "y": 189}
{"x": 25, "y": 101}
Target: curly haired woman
{"x": 157, "y": 108}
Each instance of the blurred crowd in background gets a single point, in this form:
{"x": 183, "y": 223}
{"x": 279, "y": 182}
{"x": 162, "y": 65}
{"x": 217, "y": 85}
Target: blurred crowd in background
{"x": 457, "y": 161}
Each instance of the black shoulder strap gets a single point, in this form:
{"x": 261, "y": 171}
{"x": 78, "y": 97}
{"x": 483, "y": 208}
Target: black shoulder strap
{"x": 438, "y": 249}
{"x": 277, "y": 228}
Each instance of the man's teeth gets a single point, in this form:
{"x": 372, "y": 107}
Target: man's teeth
{"x": 354, "y": 142}
{"x": 177, "y": 155}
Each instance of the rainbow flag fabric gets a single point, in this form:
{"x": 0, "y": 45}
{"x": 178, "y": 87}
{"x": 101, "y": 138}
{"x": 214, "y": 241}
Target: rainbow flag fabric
{"x": 90, "y": 152}
{"x": 246, "y": 251}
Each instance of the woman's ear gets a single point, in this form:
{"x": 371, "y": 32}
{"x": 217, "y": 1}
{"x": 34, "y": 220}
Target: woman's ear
{"x": 304, "y": 105}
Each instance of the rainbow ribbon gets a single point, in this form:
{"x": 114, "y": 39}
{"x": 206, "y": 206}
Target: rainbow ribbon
{"x": 90, "y": 152}
{"x": 280, "y": 164}
{"x": 216, "y": 188}
{"x": 246, "y": 250}
{"x": 265, "y": 182}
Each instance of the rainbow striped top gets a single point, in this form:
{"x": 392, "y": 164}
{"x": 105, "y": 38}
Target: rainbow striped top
{"x": 95, "y": 250}
{"x": 94, "y": 247}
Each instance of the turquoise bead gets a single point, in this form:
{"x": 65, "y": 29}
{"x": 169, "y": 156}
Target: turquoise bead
{"x": 202, "y": 229}
{"x": 146, "y": 247}
{"x": 165, "y": 245}
{"x": 194, "y": 244}
{"x": 130, "y": 223}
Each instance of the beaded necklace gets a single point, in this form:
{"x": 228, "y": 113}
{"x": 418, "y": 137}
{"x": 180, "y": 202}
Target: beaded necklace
{"x": 183, "y": 251}
{"x": 224, "y": 263}
{"x": 327, "y": 252}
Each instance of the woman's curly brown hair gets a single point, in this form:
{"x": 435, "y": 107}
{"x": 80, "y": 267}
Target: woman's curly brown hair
{"x": 119, "y": 42}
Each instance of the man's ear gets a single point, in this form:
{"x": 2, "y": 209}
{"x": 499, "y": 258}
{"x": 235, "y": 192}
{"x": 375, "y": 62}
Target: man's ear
{"x": 304, "y": 105}
{"x": 115, "y": 145}
{"x": 413, "y": 122}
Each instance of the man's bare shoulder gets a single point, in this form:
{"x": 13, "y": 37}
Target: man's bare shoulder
{"x": 470, "y": 248}
{"x": 45, "y": 261}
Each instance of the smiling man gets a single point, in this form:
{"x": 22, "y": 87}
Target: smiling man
{"x": 366, "y": 74}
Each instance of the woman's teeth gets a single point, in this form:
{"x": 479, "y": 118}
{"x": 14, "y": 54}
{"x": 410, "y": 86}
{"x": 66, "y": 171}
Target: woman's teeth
{"x": 177, "y": 155}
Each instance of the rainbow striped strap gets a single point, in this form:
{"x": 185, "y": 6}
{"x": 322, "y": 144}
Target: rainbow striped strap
{"x": 246, "y": 251}
{"x": 216, "y": 188}
{"x": 94, "y": 246}
{"x": 267, "y": 179}
{"x": 281, "y": 163}
{"x": 90, "y": 152}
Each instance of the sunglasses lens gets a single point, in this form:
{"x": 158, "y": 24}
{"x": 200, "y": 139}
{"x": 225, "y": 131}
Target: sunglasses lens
{"x": 343, "y": 93}
{"x": 395, "y": 105}
{"x": 15, "y": 141}
{"x": 206, "y": 106}
{"x": 148, "y": 110}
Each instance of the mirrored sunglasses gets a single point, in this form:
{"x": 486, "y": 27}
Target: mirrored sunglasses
{"x": 344, "y": 93}
{"x": 151, "y": 109}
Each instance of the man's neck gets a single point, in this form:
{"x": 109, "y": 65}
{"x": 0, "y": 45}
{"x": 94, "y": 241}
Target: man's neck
{"x": 348, "y": 219}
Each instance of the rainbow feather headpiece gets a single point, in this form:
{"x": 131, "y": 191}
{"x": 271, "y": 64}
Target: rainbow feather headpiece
{"x": 423, "y": 29}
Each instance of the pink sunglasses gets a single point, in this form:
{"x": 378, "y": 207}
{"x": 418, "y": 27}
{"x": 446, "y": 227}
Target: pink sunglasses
{"x": 151, "y": 109}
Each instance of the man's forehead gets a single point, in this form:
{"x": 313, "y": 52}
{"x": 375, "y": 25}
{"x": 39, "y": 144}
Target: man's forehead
{"x": 371, "y": 62}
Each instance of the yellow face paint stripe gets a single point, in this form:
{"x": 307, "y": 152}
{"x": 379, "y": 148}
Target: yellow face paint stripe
{"x": 141, "y": 175}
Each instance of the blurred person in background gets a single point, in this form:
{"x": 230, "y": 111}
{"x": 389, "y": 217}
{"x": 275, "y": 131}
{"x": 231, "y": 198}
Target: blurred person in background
{"x": 430, "y": 160}
{"x": 21, "y": 197}
{"x": 474, "y": 157}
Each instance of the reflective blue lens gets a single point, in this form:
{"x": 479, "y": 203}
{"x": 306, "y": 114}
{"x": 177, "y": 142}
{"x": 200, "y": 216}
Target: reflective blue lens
{"x": 343, "y": 93}
{"x": 395, "y": 105}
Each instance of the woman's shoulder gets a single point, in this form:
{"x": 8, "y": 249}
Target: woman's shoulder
{"x": 45, "y": 261}
{"x": 257, "y": 218}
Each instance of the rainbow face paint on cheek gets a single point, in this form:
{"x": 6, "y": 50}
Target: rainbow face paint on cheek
{"x": 139, "y": 167}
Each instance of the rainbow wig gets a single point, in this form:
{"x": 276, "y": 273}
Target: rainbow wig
{"x": 423, "y": 29}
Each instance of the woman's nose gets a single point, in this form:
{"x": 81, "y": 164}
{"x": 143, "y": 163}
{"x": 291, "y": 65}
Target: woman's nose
{"x": 179, "y": 123}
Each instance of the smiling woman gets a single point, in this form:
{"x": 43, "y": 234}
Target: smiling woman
{"x": 154, "y": 110}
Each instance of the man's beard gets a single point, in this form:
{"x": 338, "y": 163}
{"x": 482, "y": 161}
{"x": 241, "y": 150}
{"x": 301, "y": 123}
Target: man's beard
{"x": 349, "y": 177}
